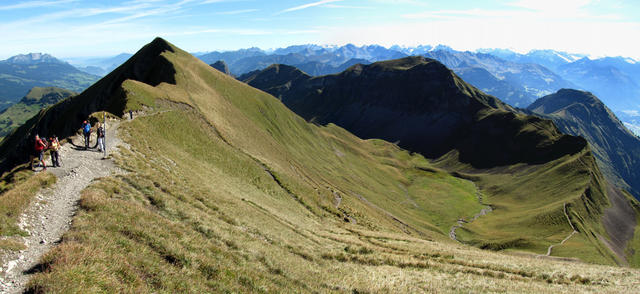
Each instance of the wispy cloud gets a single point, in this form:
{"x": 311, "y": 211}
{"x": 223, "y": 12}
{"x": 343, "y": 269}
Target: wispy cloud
{"x": 34, "y": 4}
{"x": 130, "y": 10}
{"x": 308, "y": 5}
{"x": 75, "y": 13}
{"x": 348, "y": 6}
{"x": 544, "y": 5}
{"x": 232, "y": 12}
{"x": 212, "y": 1}
{"x": 440, "y": 14}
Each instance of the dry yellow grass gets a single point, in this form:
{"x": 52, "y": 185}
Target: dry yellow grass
{"x": 228, "y": 191}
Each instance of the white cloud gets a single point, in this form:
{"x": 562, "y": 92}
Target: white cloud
{"x": 308, "y": 5}
{"x": 631, "y": 112}
{"x": 348, "y": 6}
{"x": 241, "y": 11}
{"x": 34, "y": 4}
{"x": 545, "y": 5}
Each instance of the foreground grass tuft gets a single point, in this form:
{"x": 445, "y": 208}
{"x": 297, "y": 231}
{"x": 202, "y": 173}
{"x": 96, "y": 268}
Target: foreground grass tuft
{"x": 19, "y": 187}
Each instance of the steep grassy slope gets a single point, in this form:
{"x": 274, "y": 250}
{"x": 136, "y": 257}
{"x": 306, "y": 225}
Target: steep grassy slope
{"x": 425, "y": 108}
{"x": 37, "y": 98}
{"x": 228, "y": 191}
{"x": 616, "y": 149}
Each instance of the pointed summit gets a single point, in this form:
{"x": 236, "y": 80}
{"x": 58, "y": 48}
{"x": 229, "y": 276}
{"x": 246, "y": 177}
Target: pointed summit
{"x": 424, "y": 106}
{"x": 582, "y": 114}
{"x": 148, "y": 66}
{"x": 221, "y": 66}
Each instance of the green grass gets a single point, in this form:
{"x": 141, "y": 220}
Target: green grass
{"x": 18, "y": 189}
{"x": 195, "y": 214}
{"x": 38, "y": 98}
{"x": 16, "y": 115}
{"x": 528, "y": 209}
{"x": 226, "y": 190}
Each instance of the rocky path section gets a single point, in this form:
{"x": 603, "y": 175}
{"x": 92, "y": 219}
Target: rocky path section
{"x": 568, "y": 237}
{"x": 50, "y": 214}
{"x": 461, "y": 222}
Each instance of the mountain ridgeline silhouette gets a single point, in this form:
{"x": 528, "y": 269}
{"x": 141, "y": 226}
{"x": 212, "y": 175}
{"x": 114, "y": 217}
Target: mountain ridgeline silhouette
{"x": 238, "y": 147}
{"x": 147, "y": 66}
{"x": 423, "y": 106}
{"x": 426, "y": 108}
{"x": 582, "y": 114}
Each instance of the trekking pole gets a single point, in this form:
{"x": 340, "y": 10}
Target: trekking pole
{"x": 104, "y": 133}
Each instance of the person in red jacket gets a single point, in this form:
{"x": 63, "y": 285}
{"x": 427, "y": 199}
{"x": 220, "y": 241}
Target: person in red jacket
{"x": 39, "y": 148}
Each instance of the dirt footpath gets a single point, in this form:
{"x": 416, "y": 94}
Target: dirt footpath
{"x": 50, "y": 214}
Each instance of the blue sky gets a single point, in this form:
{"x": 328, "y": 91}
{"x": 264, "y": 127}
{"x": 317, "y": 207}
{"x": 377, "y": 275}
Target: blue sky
{"x": 71, "y": 28}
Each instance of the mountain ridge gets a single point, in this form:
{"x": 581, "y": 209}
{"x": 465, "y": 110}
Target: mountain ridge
{"x": 582, "y": 114}
{"x": 226, "y": 189}
{"x": 486, "y": 140}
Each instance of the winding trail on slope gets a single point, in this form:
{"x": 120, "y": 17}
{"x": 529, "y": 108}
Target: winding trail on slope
{"x": 461, "y": 222}
{"x": 568, "y": 237}
{"x": 50, "y": 213}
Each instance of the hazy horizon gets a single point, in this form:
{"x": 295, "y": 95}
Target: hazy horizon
{"x": 73, "y": 28}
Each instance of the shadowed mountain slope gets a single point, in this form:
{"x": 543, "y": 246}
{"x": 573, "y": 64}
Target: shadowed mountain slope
{"x": 107, "y": 94}
{"x": 423, "y": 107}
{"x": 227, "y": 190}
{"x": 582, "y": 114}
{"x": 221, "y": 66}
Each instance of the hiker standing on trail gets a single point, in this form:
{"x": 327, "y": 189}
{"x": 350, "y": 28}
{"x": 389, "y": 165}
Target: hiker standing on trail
{"x": 100, "y": 132}
{"x": 86, "y": 131}
{"x": 39, "y": 148}
{"x": 54, "y": 146}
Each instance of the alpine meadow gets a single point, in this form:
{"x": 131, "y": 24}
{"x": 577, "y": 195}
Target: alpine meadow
{"x": 349, "y": 157}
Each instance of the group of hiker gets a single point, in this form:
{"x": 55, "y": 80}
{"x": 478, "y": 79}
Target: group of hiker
{"x": 53, "y": 145}
{"x": 42, "y": 145}
{"x": 86, "y": 132}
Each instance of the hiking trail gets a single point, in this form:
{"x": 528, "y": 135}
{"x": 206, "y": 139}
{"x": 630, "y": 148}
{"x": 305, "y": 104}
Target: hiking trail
{"x": 568, "y": 237}
{"x": 460, "y": 222}
{"x": 51, "y": 212}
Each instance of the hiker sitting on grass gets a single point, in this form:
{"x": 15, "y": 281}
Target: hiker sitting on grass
{"x": 39, "y": 148}
{"x": 54, "y": 146}
{"x": 86, "y": 131}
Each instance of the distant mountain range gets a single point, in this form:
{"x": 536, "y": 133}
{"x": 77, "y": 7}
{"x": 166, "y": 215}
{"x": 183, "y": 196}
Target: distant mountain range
{"x": 520, "y": 164}
{"x": 518, "y": 84}
{"x": 312, "y": 59}
{"x": 20, "y": 73}
{"x": 550, "y": 59}
{"x": 99, "y": 65}
{"x": 518, "y": 79}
